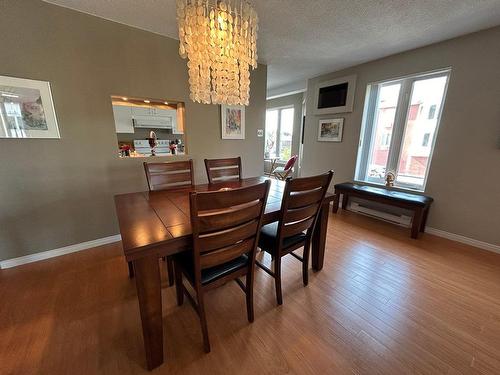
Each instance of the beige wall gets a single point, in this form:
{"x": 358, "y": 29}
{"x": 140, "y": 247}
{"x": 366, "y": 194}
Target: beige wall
{"x": 464, "y": 176}
{"x": 55, "y": 193}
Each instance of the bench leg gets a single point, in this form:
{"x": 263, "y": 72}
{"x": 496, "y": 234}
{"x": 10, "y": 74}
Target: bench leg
{"x": 336, "y": 199}
{"x": 424, "y": 220}
{"x": 418, "y": 218}
{"x": 345, "y": 200}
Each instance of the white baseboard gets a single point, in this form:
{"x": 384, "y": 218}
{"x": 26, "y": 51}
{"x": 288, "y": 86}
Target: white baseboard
{"x": 463, "y": 239}
{"x": 8, "y": 263}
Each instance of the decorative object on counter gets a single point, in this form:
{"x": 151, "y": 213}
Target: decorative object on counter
{"x": 390, "y": 177}
{"x": 331, "y": 130}
{"x": 233, "y": 121}
{"x": 153, "y": 142}
{"x": 27, "y": 109}
{"x": 180, "y": 145}
{"x": 219, "y": 39}
{"x": 172, "y": 147}
{"x": 125, "y": 150}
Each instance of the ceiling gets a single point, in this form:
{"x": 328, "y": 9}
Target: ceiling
{"x": 302, "y": 39}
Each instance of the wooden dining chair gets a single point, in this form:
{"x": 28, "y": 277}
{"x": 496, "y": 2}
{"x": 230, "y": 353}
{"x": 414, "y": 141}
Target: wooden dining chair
{"x": 167, "y": 176}
{"x": 225, "y": 226}
{"x": 300, "y": 208}
{"x": 220, "y": 170}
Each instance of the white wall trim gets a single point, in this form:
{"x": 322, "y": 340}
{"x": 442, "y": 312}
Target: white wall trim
{"x": 8, "y": 263}
{"x": 463, "y": 239}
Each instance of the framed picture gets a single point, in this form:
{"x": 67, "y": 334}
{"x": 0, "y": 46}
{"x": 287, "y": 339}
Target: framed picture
{"x": 26, "y": 109}
{"x": 335, "y": 96}
{"x": 233, "y": 121}
{"x": 331, "y": 130}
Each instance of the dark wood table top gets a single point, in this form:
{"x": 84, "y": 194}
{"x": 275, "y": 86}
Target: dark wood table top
{"x": 154, "y": 219}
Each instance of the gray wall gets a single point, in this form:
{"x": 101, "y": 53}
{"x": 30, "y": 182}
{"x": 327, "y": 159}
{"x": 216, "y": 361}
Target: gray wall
{"x": 55, "y": 193}
{"x": 464, "y": 176}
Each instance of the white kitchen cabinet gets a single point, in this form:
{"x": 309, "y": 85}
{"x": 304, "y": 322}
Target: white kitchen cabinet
{"x": 123, "y": 119}
{"x": 142, "y": 111}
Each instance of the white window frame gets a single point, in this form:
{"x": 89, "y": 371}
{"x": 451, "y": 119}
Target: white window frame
{"x": 278, "y": 131}
{"x": 399, "y": 128}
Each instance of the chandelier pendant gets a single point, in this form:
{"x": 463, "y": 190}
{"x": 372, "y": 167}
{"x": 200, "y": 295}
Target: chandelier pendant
{"x": 219, "y": 39}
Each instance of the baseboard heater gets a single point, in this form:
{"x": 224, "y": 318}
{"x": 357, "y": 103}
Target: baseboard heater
{"x": 368, "y": 210}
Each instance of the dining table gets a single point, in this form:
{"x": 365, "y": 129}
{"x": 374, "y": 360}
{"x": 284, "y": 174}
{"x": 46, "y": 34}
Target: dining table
{"x": 156, "y": 224}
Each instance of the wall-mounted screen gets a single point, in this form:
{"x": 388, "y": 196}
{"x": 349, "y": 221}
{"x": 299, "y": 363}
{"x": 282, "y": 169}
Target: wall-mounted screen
{"x": 335, "y": 96}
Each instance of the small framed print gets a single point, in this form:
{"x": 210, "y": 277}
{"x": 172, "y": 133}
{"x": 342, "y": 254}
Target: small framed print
{"x": 330, "y": 130}
{"x": 26, "y": 109}
{"x": 233, "y": 121}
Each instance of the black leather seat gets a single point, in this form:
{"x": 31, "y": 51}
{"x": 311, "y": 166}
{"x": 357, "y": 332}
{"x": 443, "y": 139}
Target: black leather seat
{"x": 394, "y": 195}
{"x": 269, "y": 235}
{"x": 185, "y": 260}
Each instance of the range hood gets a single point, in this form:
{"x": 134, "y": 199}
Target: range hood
{"x": 153, "y": 122}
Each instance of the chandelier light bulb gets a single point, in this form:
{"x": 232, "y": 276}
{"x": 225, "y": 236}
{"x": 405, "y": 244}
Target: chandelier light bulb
{"x": 219, "y": 40}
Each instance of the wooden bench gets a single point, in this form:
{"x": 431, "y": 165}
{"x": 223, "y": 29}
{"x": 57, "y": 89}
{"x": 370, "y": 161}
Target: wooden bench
{"x": 417, "y": 203}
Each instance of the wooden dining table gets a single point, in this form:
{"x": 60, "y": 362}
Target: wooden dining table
{"x": 155, "y": 224}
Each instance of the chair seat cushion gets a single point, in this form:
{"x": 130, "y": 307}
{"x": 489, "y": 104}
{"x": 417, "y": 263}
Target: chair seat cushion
{"x": 269, "y": 235}
{"x": 280, "y": 169}
{"x": 185, "y": 259}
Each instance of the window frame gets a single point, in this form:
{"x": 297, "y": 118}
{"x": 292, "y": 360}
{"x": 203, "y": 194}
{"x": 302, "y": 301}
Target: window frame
{"x": 399, "y": 128}
{"x": 278, "y": 132}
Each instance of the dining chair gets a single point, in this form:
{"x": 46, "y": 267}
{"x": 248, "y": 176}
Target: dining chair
{"x": 226, "y": 226}
{"x": 220, "y": 170}
{"x": 282, "y": 173}
{"x": 167, "y": 176}
{"x": 300, "y": 208}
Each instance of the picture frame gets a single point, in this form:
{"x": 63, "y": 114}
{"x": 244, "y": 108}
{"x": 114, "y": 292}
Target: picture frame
{"x": 331, "y": 130}
{"x": 233, "y": 121}
{"x": 338, "y": 96}
{"x": 27, "y": 109}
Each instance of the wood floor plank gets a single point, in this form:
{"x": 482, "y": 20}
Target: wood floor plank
{"x": 383, "y": 304}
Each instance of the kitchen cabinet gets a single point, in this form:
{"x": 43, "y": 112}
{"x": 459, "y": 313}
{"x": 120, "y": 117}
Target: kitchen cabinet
{"x": 153, "y": 112}
{"x": 123, "y": 119}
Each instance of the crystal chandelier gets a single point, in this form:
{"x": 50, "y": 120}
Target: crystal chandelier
{"x": 219, "y": 39}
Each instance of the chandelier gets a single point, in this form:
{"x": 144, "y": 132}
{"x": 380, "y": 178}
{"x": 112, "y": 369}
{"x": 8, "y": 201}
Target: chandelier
{"x": 219, "y": 39}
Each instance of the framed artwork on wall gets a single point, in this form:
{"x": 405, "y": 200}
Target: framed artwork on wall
{"x": 331, "y": 130}
{"x": 233, "y": 121}
{"x": 26, "y": 109}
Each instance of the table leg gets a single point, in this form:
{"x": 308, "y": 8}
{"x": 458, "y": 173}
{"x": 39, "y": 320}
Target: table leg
{"x": 147, "y": 279}
{"x": 319, "y": 238}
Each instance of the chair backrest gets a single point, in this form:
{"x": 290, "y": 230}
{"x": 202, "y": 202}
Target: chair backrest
{"x": 171, "y": 175}
{"x": 226, "y": 224}
{"x": 219, "y": 170}
{"x": 291, "y": 162}
{"x": 301, "y": 204}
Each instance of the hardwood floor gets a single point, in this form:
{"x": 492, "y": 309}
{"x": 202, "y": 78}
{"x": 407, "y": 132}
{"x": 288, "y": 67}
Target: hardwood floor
{"x": 383, "y": 304}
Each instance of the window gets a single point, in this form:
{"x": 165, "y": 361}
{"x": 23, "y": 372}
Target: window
{"x": 425, "y": 141}
{"x": 279, "y": 132}
{"x": 432, "y": 112}
{"x": 397, "y": 134}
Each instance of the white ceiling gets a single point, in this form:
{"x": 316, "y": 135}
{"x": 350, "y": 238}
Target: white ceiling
{"x": 302, "y": 39}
